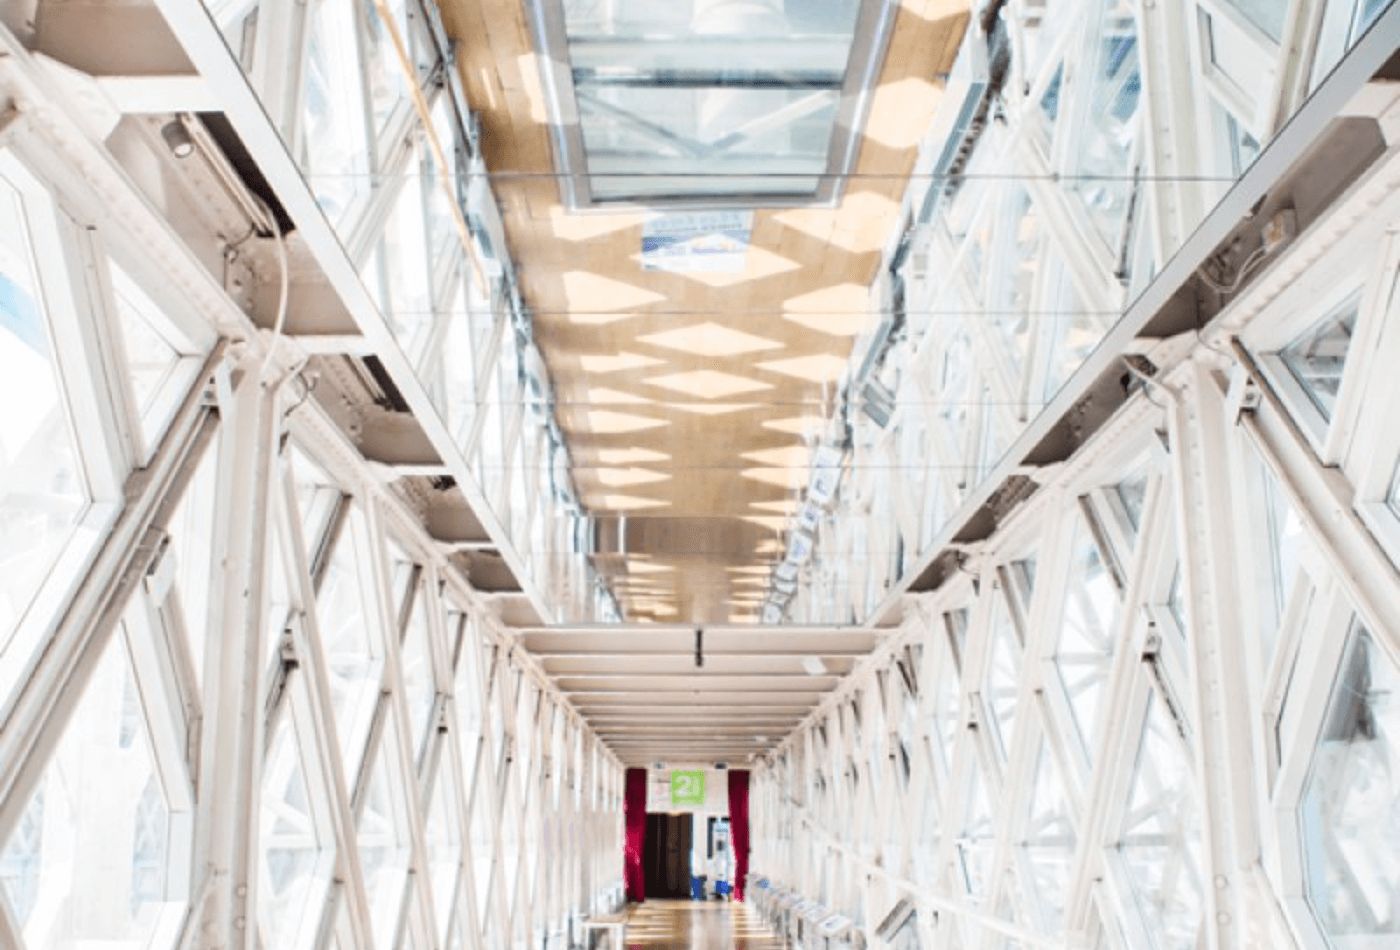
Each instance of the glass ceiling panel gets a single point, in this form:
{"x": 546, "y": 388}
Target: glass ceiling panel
{"x": 738, "y": 99}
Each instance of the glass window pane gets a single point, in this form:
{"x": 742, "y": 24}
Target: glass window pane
{"x": 1161, "y": 842}
{"x": 335, "y": 151}
{"x": 90, "y": 863}
{"x": 730, "y": 138}
{"x": 978, "y": 838}
{"x": 293, "y": 864}
{"x": 482, "y": 845}
{"x": 1283, "y": 550}
{"x": 1234, "y": 54}
{"x": 154, "y": 358}
{"x": 444, "y": 841}
{"x": 354, "y": 653}
{"x": 767, "y": 22}
{"x": 406, "y": 272}
{"x": 1106, "y": 146}
{"x": 42, "y": 494}
{"x": 1132, "y": 492}
{"x": 1049, "y": 842}
{"x": 708, "y": 98}
{"x": 1351, "y": 804}
{"x": 1003, "y": 673}
{"x": 1086, "y": 646}
{"x": 418, "y": 682}
{"x": 383, "y": 852}
{"x": 388, "y": 86}
{"x": 1392, "y": 497}
{"x": 1267, "y": 15}
{"x": 1316, "y": 359}
{"x": 191, "y": 531}
{"x": 443, "y": 238}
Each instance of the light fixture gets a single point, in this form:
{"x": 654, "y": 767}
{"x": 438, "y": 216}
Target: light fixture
{"x": 878, "y": 403}
{"x": 177, "y": 138}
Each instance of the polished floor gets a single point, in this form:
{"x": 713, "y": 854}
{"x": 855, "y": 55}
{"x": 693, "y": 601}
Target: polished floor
{"x": 698, "y": 925}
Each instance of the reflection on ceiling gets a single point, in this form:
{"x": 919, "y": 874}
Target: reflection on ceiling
{"x": 692, "y": 376}
{"x": 749, "y": 100}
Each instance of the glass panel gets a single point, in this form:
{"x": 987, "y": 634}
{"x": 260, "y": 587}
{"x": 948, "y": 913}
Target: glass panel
{"x": 42, "y": 495}
{"x": 1104, "y": 152}
{"x": 1049, "y": 842}
{"x": 1316, "y": 359}
{"x": 291, "y": 868}
{"x": 976, "y": 842}
{"x": 468, "y": 687}
{"x": 1283, "y": 551}
{"x": 151, "y": 359}
{"x": 1086, "y": 646}
{"x": 708, "y": 98}
{"x": 1132, "y": 492}
{"x": 443, "y": 238}
{"x": 90, "y": 861}
{"x": 1392, "y": 497}
{"x": 405, "y": 257}
{"x": 1003, "y": 672}
{"x": 483, "y": 845}
{"x": 1161, "y": 843}
{"x": 335, "y": 153}
{"x": 388, "y": 86}
{"x": 1350, "y": 812}
{"x": 773, "y": 24}
{"x": 1267, "y": 15}
{"x": 731, "y": 139}
{"x": 444, "y": 842}
{"x": 1176, "y": 601}
{"x": 1234, "y": 54}
{"x": 419, "y": 688}
{"x": 383, "y": 853}
{"x": 354, "y": 654}
{"x": 192, "y": 544}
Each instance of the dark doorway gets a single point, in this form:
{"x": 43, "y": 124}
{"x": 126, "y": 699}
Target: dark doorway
{"x": 666, "y": 857}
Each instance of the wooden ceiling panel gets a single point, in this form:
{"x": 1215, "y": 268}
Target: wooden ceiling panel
{"x": 691, "y": 396}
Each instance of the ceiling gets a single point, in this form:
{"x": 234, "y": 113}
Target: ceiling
{"x": 640, "y": 689}
{"x": 689, "y": 401}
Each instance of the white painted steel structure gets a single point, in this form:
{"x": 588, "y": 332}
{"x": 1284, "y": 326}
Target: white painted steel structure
{"x": 1157, "y": 708}
{"x": 1109, "y": 139}
{"x": 248, "y": 695}
{"x": 255, "y": 691}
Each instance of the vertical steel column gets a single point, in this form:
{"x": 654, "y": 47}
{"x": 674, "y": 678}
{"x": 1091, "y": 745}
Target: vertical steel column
{"x": 1200, "y": 454}
{"x": 230, "y": 763}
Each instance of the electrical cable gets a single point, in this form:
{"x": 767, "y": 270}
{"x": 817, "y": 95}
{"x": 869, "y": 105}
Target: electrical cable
{"x": 284, "y": 286}
{"x": 1249, "y": 262}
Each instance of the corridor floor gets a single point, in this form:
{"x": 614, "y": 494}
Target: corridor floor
{"x": 698, "y": 925}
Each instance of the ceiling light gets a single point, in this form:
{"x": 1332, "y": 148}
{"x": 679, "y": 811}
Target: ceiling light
{"x": 177, "y": 138}
{"x": 710, "y": 339}
{"x": 818, "y": 368}
{"x": 708, "y": 384}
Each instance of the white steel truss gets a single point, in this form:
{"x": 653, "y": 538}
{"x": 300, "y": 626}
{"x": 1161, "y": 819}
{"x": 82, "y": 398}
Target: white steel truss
{"x": 1109, "y": 132}
{"x": 248, "y": 697}
{"x": 1157, "y": 708}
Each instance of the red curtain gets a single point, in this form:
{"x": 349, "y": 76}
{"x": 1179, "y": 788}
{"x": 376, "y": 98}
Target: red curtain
{"x": 634, "y": 816}
{"x": 739, "y": 827}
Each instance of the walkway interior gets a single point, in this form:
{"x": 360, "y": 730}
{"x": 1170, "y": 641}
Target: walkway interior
{"x": 698, "y": 925}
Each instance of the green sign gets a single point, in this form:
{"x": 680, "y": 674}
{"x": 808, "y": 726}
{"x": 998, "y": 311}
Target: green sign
{"x": 688, "y": 788}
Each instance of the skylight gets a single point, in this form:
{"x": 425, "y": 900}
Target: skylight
{"x": 732, "y": 102}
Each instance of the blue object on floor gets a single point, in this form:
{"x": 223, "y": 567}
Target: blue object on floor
{"x": 697, "y": 887}
{"x": 722, "y": 888}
